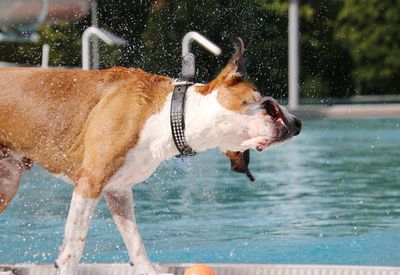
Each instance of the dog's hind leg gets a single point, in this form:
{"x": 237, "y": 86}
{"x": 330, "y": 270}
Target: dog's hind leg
{"x": 120, "y": 203}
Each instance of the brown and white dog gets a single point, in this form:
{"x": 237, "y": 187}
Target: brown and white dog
{"x": 106, "y": 130}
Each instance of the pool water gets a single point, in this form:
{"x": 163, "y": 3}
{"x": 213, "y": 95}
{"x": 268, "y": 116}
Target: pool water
{"x": 329, "y": 196}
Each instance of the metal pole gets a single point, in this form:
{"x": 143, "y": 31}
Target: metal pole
{"x": 293, "y": 101}
{"x": 95, "y": 40}
{"x": 44, "y": 11}
{"x": 45, "y": 55}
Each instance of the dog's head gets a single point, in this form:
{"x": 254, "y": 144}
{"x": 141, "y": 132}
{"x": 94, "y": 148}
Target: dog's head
{"x": 247, "y": 120}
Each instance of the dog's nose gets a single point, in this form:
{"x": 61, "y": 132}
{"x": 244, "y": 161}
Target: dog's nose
{"x": 297, "y": 126}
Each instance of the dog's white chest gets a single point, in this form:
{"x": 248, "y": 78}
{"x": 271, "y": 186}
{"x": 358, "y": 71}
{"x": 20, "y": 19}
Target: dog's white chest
{"x": 138, "y": 166}
{"x": 155, "y": 145}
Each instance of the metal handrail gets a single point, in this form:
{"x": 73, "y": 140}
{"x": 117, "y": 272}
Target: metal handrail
{"x": 188, "y": 60}
{"x": 202, "y": 40}
{"x": 107, "y": 37}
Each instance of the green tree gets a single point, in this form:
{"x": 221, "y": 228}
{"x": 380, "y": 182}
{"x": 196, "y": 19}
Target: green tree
{"x": 369, "y": 29}
{"x": 344, "y": 44}
{"x": 325, "y": 65}
{"x": 220, "y": 21}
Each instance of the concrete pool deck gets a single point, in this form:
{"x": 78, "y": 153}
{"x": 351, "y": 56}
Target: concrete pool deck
{"x": 219, "y": 269}
{"x": 347, "y": 111}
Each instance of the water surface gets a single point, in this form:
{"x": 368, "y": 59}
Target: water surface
{"x": 329, "y": 196}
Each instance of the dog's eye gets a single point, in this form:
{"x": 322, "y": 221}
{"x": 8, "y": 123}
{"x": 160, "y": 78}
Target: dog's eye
{"x": 244, "y": 102}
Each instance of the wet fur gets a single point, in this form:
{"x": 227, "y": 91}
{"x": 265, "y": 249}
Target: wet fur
{"x": 106, "y": 130}
{"x": 73, "y": 111}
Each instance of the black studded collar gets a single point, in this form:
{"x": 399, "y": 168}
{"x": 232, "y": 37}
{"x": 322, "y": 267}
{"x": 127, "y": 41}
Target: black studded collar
{"x": 177, "y": 118}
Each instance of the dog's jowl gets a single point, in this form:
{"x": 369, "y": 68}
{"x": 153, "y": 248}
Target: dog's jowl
{"x": 106, "y": 130}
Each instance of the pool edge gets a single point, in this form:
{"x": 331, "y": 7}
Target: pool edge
{"x": 220, "y": 269}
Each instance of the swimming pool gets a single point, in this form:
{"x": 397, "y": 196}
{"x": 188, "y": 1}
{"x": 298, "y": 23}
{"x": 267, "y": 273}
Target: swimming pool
{"x": 329, "y": 196}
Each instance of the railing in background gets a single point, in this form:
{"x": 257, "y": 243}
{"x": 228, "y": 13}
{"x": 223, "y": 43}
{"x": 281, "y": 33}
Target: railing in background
{"x": 293, "y": 77}
{"x": 106, "y": 36}
{"x": 188, "y": 60}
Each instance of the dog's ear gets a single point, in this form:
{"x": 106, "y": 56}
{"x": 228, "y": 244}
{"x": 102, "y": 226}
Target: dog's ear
{"x": 238, "y": 58}
{"x": 233, "y": 73}
{"x": 235, "y": 70}
{"x": 240, "y": 162}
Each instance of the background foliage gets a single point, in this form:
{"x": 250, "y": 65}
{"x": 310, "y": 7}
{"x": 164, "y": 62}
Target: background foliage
{"x": 348, "y": 47}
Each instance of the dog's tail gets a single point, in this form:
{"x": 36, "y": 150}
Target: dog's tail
{"x": 11, "y": 167}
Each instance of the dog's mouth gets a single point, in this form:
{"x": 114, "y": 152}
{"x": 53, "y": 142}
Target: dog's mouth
{"x": 274, "y": 124}
{"x": 284, "y": 125}
{"x": 272, "y": 110}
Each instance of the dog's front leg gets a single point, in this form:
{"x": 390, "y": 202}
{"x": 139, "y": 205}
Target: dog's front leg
{"x": 80, "y": 214}
{"x": 120, "y": 203}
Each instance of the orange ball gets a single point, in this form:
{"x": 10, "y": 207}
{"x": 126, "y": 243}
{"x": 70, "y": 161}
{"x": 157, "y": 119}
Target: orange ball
{"x": 199, "y": 269}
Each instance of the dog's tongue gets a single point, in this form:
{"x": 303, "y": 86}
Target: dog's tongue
{"x": 10, "y": 175}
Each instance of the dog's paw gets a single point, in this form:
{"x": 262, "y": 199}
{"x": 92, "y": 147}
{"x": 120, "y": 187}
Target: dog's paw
{"x": 258, "y": 143}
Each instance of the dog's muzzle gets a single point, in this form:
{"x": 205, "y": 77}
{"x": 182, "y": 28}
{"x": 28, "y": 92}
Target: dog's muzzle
{"x": 279, "y": 115}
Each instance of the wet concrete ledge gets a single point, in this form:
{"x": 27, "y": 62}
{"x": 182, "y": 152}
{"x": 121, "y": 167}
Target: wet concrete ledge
{"x": 347, "y": 111}
{"x": 219, "y": 269}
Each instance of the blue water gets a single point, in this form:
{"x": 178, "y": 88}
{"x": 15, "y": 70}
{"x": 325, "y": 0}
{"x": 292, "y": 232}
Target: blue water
{"x": 329, "y": 196}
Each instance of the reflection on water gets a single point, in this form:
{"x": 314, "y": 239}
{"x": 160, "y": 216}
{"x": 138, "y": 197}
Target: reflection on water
{"x": 330, "y": 195}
